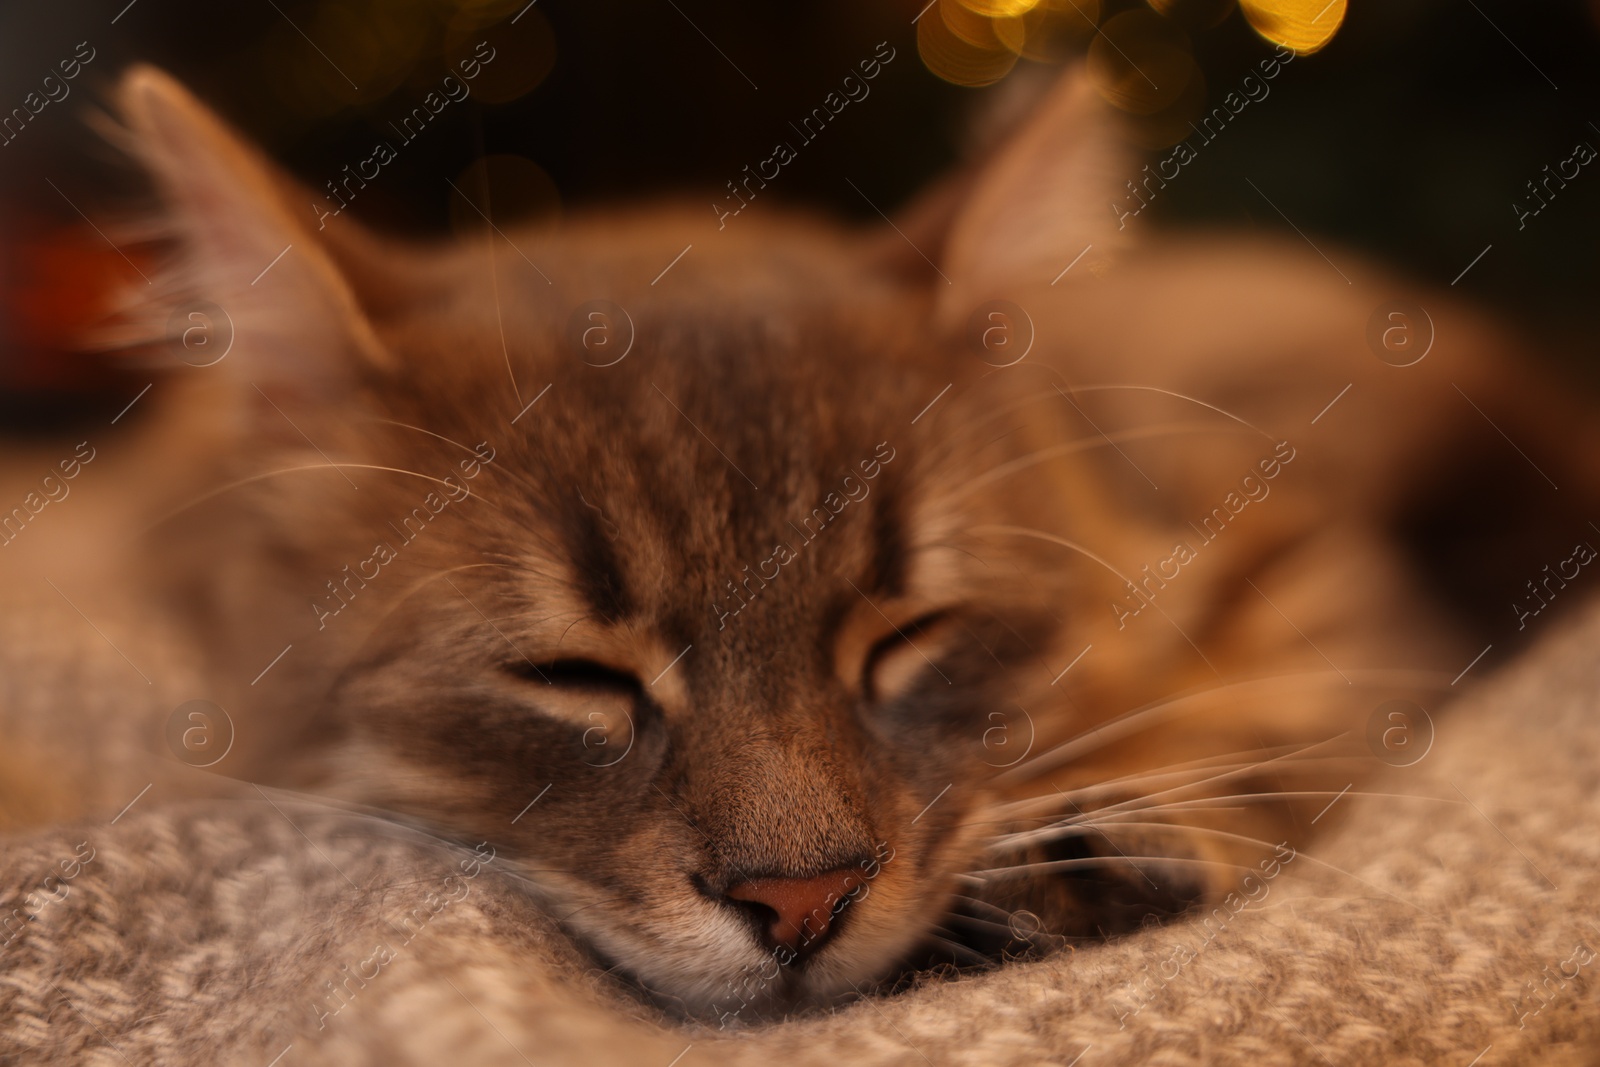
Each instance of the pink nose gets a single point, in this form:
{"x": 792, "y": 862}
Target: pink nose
{"x": 802, "y": 909}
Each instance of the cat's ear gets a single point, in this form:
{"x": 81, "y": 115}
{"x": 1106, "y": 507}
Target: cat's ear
{"x": 243, "y": 246}
{"x": 1041, "y": 202}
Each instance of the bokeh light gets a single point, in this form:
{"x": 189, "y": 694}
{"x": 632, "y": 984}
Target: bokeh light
{"x": 1140, "y": 57}
{"x": 1303, "y": 25}
{"x": 952, "y": 55}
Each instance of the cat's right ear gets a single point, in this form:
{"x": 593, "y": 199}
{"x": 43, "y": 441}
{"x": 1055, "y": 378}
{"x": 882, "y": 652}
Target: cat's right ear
{"x": 243, "y": 246}
{"x": 1042, "y": 201}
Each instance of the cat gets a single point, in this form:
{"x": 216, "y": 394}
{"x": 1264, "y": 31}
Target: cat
{"x": 790, "y": 607}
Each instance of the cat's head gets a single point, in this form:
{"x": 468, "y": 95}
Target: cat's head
{"x": 718, "y": 577}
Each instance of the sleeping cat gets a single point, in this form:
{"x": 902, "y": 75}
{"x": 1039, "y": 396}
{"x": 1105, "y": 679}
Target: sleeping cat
{"x": 785, "y": 612}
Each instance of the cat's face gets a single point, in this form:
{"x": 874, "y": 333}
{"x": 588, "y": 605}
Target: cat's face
{"x": 693, "y": 609}
{"x": 706, "y": 595}
{"x": 717, "y": 611}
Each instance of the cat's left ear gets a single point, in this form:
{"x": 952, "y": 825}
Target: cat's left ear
{"x": 1042, "y": 202}
{"x": 244, "y": 247}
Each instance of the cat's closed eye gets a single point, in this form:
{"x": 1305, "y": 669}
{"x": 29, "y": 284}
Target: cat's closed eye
{"x": 605, "y": 703}
{"x": 897, "y": 662}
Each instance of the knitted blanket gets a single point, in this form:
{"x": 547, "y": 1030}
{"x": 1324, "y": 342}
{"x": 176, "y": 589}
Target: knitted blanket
{"x": 1447, "y": 917}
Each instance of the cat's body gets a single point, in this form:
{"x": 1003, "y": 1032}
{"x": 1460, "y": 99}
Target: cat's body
{"x": 745, "y": 630}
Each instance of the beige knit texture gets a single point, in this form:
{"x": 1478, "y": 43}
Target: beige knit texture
{"x": 1418, "y": 931}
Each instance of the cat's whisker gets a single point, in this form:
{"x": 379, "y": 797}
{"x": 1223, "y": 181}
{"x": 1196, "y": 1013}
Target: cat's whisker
{"x": 379, "y": 819}
{"x": 979, "y": 902}
{"x": 263, "y": 476}
{"x": 1136, "y": 807}
{"x": 419, "y": 429}
{"x": 1143, "y": 803}
{"x": 525, "y": 616}
{"x": 1297, "y": 854}
{"x": 1288, "y": 759}
{"x": 415, "y": 474}
{"x": 955, "y": 948}
{"x": 1073, "y": 447}
{"x": 973, "y": 920}
{"x": 1080, "y": 863}
{"x": 1105, "y": 387}
{"x": 1023, "y": 531}
{"x": 1130, "y": 722}
{"x": 1049, "y": 807}
{"x": 1019, "y": 839}
{"x": 1277, "y": 762}
{"x": 1042, "y": 535}
{"x": 1047, "y": 803}
{"x": 417, "y": 587}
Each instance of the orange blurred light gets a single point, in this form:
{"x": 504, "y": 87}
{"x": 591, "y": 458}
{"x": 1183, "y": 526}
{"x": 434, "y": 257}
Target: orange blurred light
{"x": 1302, "y": 25}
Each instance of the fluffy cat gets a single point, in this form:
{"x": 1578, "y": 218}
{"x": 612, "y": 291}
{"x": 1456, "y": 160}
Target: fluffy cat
{"x": 786, "y": 612}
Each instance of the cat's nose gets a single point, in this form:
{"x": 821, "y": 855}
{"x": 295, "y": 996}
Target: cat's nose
{"x": 798, "y": 913}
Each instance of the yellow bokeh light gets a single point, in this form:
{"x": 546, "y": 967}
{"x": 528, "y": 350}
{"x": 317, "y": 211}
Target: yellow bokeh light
{"x": 1302, "y": 25}
{"x": 958, "y": 60}
{"x": 975, "y": 29}
{"x": 1000, "y": 9}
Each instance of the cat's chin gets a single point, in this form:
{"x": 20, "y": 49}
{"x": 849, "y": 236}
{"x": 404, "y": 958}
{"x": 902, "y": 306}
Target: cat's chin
{"x": 725, "y": 978}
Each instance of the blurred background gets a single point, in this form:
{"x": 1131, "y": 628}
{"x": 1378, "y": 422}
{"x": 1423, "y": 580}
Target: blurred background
{"x": 1407, "y": 130}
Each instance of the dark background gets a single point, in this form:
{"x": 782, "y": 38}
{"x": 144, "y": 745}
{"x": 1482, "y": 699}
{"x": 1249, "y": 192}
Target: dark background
{"x": 1409, "y": 137}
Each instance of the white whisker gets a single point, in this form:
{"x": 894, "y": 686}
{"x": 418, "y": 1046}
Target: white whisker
{"x": 1082, "y": 444}
{"x": 430, "y": 433}
{"x": 1099, "y": 819}
{"x": 1130, "y": 722}
{"x": 210, "y": 494}
{"x": 1048, "y": 803}
{"x": 1111, "y": 387}
{"x": 1024, "y": 870}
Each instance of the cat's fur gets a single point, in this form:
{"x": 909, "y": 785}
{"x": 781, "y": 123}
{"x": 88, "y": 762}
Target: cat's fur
{"x": 956, "y": 534}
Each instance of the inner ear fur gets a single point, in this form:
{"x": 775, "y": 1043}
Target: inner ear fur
{"x": 243, "y": 245}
